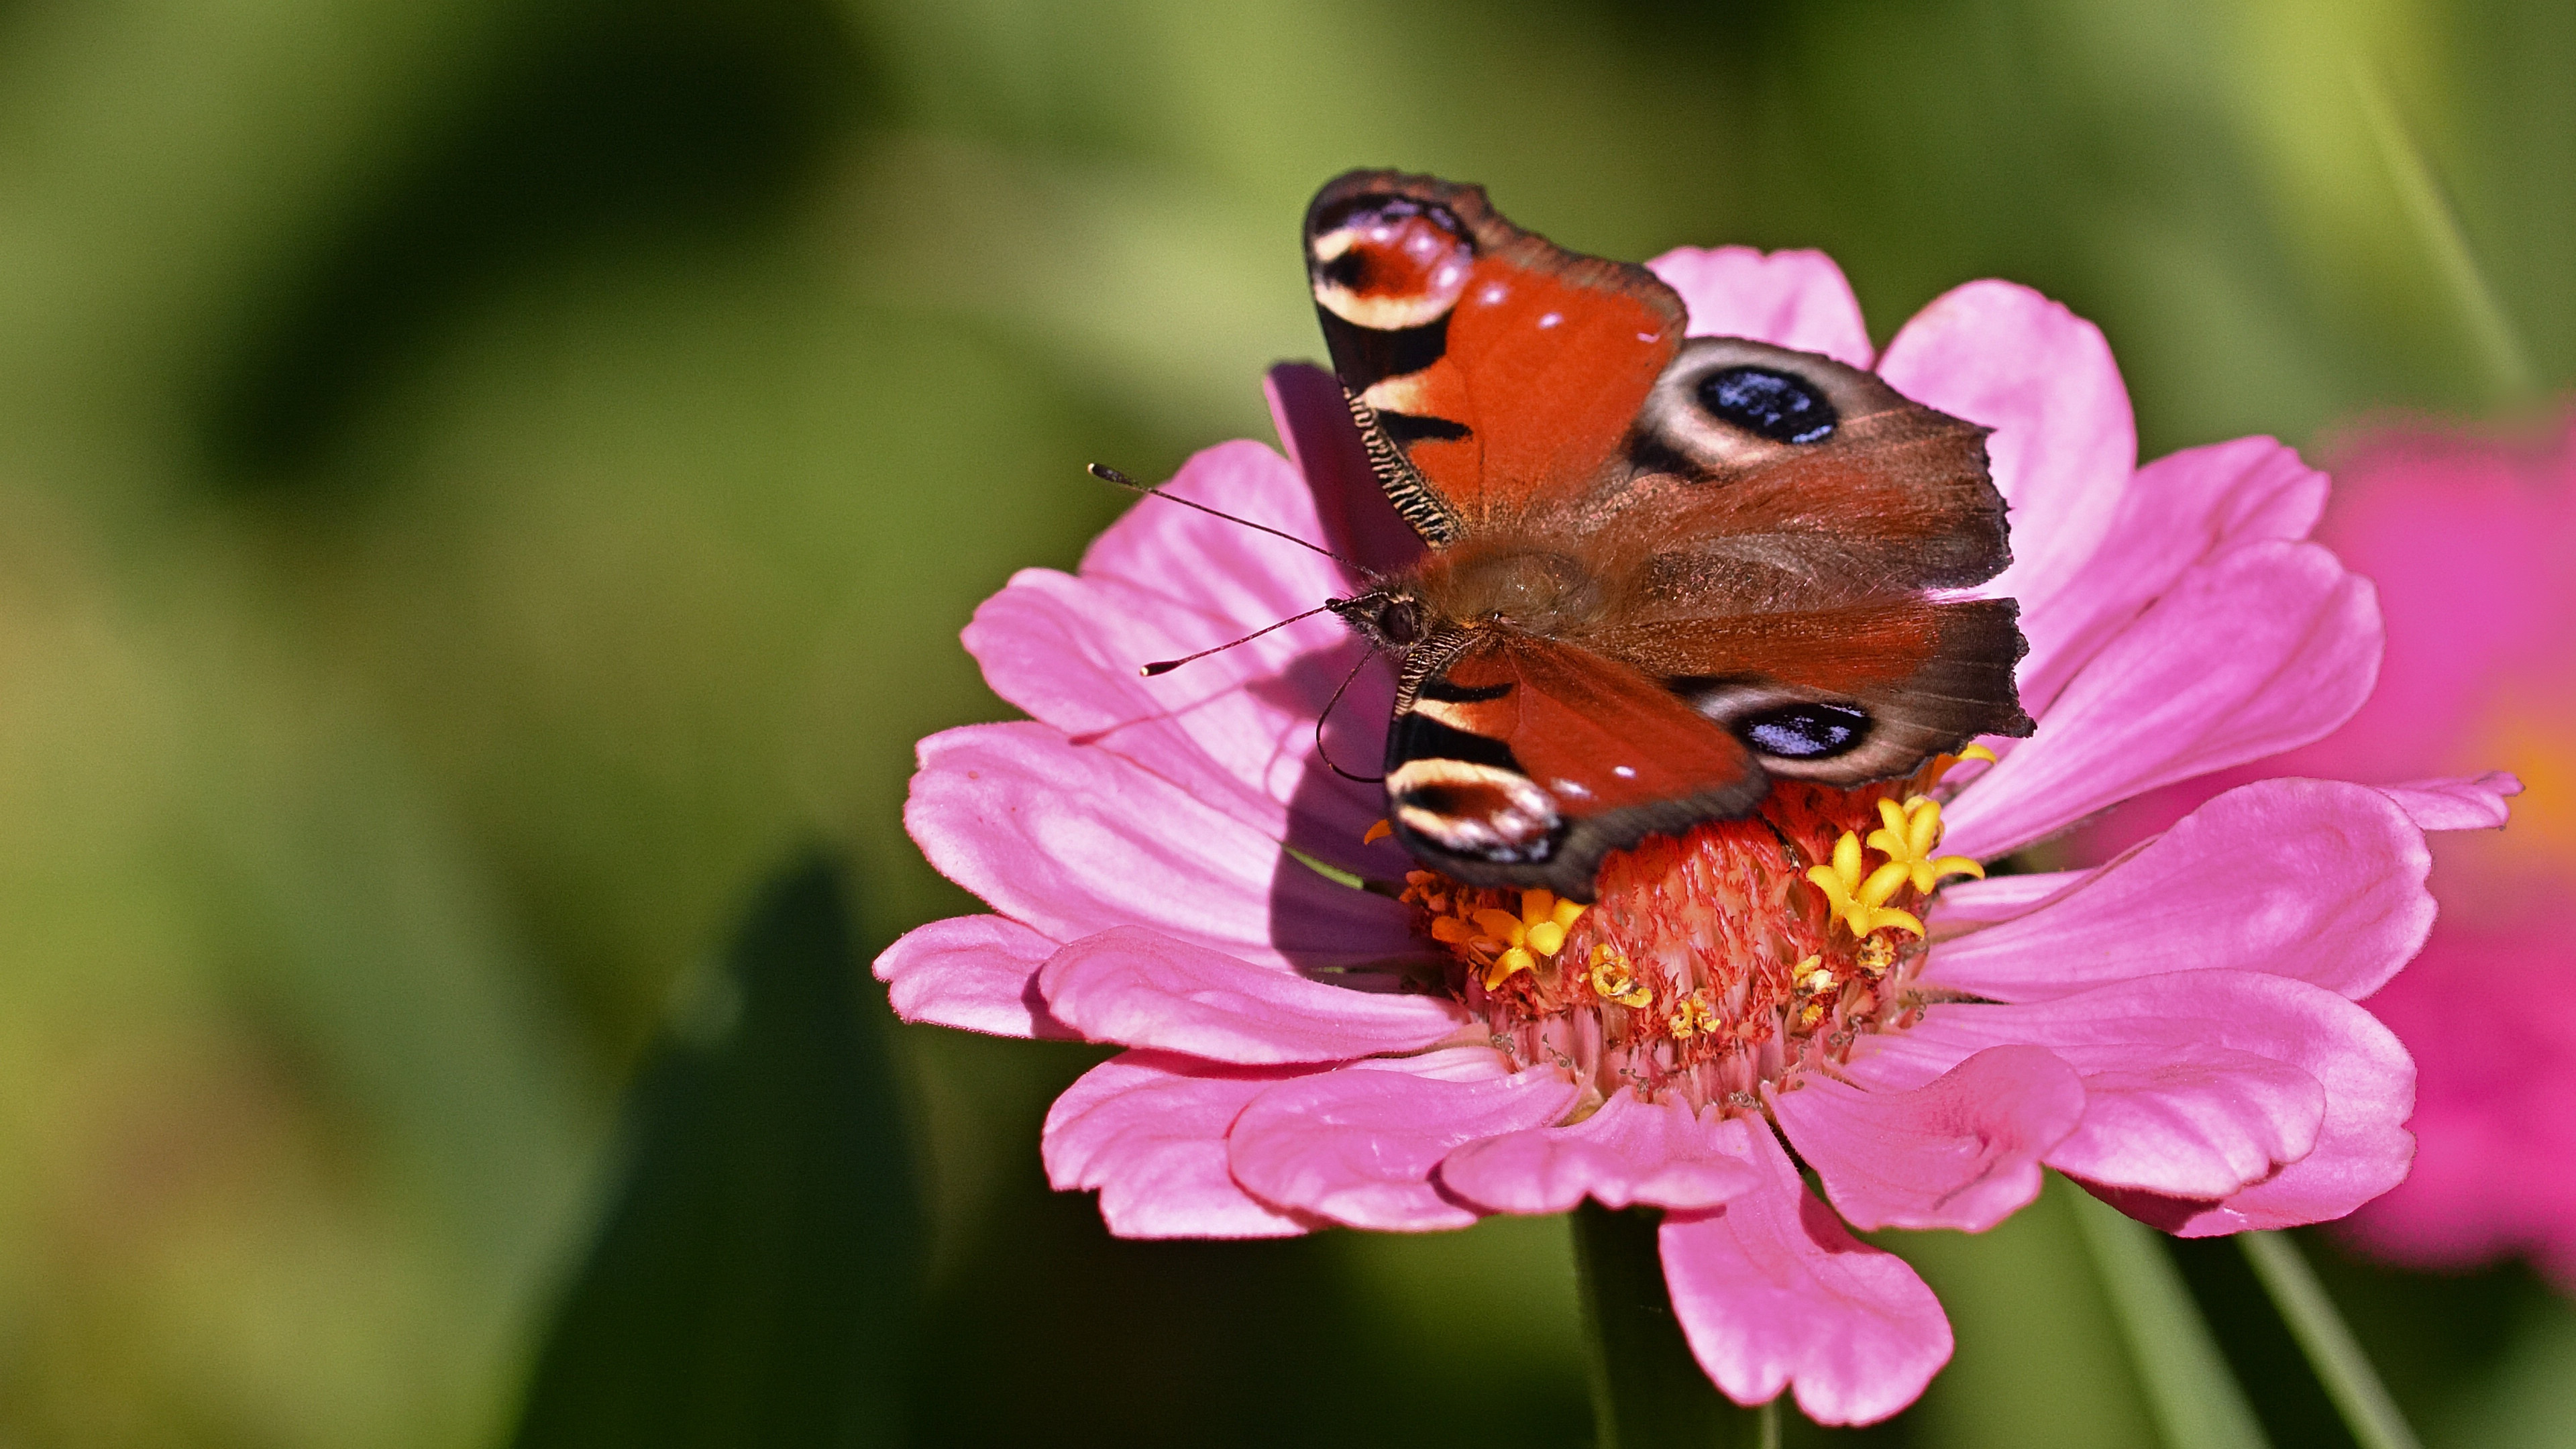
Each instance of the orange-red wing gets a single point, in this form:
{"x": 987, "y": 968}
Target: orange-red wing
{"x": 1495, "y": 373}
{"x": 1525, "y": 760}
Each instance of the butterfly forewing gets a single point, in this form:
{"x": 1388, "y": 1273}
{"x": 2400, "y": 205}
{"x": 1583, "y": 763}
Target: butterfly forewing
{"x": 1496, "y": 372}
{"x": 1663, "y": 571}
{"x": 1524, "y": 760}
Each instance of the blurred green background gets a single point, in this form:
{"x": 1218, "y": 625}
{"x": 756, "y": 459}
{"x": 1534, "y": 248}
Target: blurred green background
{"x": 485, "y": 486}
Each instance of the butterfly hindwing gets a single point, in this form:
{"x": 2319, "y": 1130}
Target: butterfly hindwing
{"x": 1794, "y": 479}
{"x": 1845, "y": 694}
{"x": 1773, "y": 554}
{"x": 1664, "y": 570}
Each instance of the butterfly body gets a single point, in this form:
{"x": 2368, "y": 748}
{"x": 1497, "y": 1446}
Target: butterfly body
{"x": 1661, "y": 571}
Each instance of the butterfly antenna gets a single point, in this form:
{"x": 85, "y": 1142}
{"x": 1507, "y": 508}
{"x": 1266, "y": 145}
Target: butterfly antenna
{"x": 1107, "y": 474}
{"x": 1166, "y": 666}
{"x": 1325, "y": 754}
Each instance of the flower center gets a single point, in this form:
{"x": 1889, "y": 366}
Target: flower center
{"x": 1741, "y": 952}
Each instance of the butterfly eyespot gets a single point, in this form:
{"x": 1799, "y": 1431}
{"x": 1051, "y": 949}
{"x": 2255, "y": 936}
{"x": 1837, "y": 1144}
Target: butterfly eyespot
{"x": 1490, "y": 812}
{"x": 1774, "y": 404}
{"x": 1805, "y": 731}
{"x": 1390, "y": 262}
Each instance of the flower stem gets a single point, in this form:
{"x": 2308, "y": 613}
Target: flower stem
{"x": 2340, "y": 1364}
{"x": 2508, "y": 364}
{"x": 2195, "y": 1400}
{"x": 1647, "y": 1390}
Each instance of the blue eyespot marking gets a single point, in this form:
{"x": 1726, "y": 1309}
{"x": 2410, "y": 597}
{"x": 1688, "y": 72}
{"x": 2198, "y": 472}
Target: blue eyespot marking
{"x": 1778, "y": 406}
{"x": 1805, "y": 731}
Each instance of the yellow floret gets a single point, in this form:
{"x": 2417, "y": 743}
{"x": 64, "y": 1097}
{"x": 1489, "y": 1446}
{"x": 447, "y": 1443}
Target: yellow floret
{"x": 1907, "y": 836}
{"x": 1861, "y": 903}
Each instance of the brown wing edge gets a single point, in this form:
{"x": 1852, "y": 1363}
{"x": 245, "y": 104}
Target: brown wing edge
{"x": 1965, "y": 690}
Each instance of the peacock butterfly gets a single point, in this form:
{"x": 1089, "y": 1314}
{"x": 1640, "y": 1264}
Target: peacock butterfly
{"x": 1663, "y": 571}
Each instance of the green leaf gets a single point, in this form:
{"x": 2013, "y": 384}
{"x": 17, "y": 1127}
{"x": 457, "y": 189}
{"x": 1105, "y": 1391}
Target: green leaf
{"x": 2197, "y": 1403}
{"x": 2436, "y": 224}
{"x": 1647, "y": 1389}
{"x": 2341, "y": 1366}
{"x": 2041, "y": 1362}
{"x": 753, "y": 1277}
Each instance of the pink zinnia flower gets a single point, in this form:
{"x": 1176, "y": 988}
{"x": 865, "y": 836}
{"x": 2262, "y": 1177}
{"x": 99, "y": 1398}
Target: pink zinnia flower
{"x": 2176, "y": 1029}
{"x": 2473, "y": 544}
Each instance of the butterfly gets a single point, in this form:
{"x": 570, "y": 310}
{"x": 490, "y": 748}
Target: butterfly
{"x": 1663, "y": 572}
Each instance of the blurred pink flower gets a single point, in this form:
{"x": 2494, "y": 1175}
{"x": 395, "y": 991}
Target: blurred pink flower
{"x": 2472, "y": 543}
{"x": 2175, "y": 1029}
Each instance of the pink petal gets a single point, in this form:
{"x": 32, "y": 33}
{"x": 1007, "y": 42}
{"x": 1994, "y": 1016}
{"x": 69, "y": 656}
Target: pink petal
{"x": 2495, "y": 1165}
{"x": 1313, "y": 418}
{"x": 1073, "y": 840}
{"x": 2471, "y": 540}
{"x": 2266, "y": 647}
{"x": 2064, "y": 444}
{"x": 1962, "y": 1151}
{"x": 2312, "y": 879}
{"x": 1998, "y": 898}
{"x": 1208, "y": 564}
{"x": 1628, "y": 1152}
{"x": 1773, "y": 1292}
{"x": 1148, "y": 1131}
{"x": 1144, "y": 989}
{"x": 2362, "y": 1147}
{"x": 1448, "y": 1064}
{"x": 2185, "y": 1117}
{"x": 976, "y": 973}
{"x": 1793, "y": 299}
{"x": 2180, "y": 510}
{"x": 1235, "y": 729}
{"x": 1360, "y": 1146}
{"x": 2197, "y": 1083}
{"x": 2457, "y": 804}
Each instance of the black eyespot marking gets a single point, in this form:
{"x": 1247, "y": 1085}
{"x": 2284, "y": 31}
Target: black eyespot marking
{"x": 1778, "y": 406}
{"x": 1805, "y": 731}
